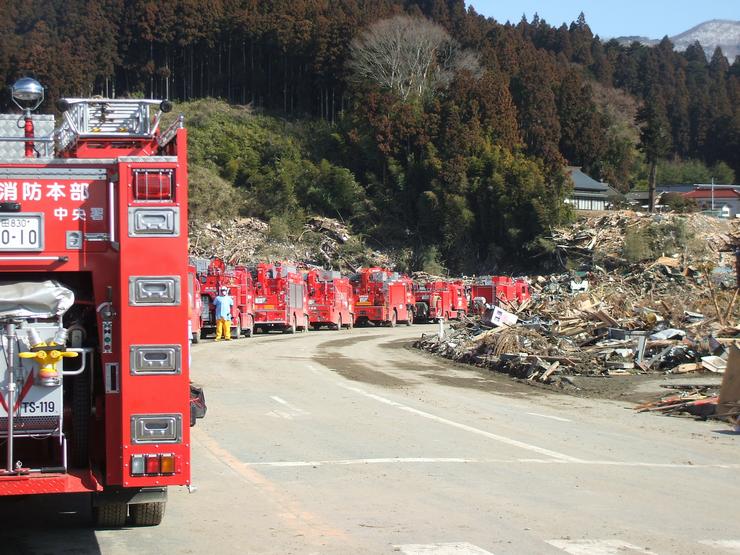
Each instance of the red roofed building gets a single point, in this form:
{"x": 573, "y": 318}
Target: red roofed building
{"x": 726, "y": 201}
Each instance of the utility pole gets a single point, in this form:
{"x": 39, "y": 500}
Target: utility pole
{"x": 712, "y": 194}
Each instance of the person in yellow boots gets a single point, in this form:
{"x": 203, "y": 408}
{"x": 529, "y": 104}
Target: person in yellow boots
{"x": 223, "y": 304}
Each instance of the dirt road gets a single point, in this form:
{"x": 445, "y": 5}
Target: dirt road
{"x": 348, "y": 442}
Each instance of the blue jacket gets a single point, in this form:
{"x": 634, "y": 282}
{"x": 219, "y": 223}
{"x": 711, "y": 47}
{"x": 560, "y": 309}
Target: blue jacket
{"x": 223, "y": 305}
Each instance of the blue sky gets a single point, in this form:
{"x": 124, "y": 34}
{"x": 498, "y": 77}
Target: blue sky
{"x": 613, "y": 18}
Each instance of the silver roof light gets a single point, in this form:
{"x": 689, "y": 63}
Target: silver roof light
{"x": 27, "y": 93}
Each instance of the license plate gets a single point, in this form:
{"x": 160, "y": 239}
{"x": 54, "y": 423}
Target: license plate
{"x": 260, "y": 300}
{"x": 21, "y": 232}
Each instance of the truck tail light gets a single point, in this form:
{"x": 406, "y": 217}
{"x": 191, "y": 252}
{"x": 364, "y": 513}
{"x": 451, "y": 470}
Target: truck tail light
{"x": 153, "y": 185}
{"x": 138, "y": 465}
{"x": 167, "y": 464}
{"x": 154, "y": 464}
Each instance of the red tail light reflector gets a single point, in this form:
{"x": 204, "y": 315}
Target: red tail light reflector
{"x": 152, "y": 464}
{"x": 153, "y": 185}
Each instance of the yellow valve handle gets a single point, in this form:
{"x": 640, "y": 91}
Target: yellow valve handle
{"x": 55, "y": 355}
{"x": 40, "y": 355}
{"x": 63, "y": 354}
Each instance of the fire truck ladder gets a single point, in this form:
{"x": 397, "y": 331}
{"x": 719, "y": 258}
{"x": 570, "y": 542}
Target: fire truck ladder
{"x": 111, "y": 118}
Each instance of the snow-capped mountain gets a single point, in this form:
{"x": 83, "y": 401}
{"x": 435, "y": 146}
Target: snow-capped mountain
{"x": 717, "y": 32}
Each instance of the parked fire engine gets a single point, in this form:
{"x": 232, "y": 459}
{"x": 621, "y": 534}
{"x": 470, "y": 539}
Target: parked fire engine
{"x": 440, "y": 300}
{"x": 382, "y": 297}
{"x": 94, "y": 392}
{"x": 195, "y": 304}
{"x": 330, "y": 300}
{"x": 238, "y": 280}
{"x": 280, "y": 298}
{"x": 490, "y": 290}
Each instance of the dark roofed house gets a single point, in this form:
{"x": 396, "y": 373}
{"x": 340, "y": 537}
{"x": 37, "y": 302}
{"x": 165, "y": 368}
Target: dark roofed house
{"x": 588, "y": 194}
{"x": 638, "y": 199}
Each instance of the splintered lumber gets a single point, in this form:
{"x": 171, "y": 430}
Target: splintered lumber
{"x": 687, "y": 367}
{"x": 549, "y": 371}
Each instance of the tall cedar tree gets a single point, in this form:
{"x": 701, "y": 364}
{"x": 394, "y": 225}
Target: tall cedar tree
{"x": 655, "y": 139}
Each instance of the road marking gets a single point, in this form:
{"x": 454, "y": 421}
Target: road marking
{"x": 287, "y": 404}
{"x": 279, "y": 414}
{"x": 549, "y": 416}
{"x": 555, "y": 457}
{"x": 728, "y": 545}
{"x": 659, "y": 465}
{"x": 389, "y": 460}
{"x": 597, "y": 547}
{"x": 458, "y": 548}
{"x": 467, "y": 460}
{"x": 471, "y": 429}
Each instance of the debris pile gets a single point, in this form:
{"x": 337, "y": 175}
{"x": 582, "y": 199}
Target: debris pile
{"x": 320, "y": 242}
{"x": 624, "y": 237}
{"x": 694, "y": 400}
{"x": 675, "y": 313}
{"x": 705, "y": 401}
{"x": 234, "y": 241}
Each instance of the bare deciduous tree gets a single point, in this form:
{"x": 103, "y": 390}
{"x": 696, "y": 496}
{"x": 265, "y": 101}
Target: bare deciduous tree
{"x": 410, "y": 55}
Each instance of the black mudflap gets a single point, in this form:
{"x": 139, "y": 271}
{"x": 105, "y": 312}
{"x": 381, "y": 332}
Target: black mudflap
{"x": 198, "y": 406}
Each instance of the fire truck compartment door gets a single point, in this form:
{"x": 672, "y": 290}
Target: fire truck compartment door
{"x": 27, "y": 299}
{"x": 154, "y": 290}
{"x": 159, "y": 428}
{"x": 143, "y": 222}
{"x": 155, "y": 359}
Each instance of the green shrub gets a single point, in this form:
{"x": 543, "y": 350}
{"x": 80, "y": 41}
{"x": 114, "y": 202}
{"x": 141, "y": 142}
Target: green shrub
{"x": 679, "y": 203}
{"x": 211, "y": 197}
{"x": 636, "y": 246}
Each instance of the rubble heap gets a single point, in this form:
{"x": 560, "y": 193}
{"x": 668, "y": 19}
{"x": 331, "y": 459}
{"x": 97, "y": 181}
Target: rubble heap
{"x": 675, "y": 313}
{"x": 321, "y": 242}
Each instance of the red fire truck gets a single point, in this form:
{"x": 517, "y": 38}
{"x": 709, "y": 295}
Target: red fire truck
{"x": 330, "y": 299}
{"x": 492, "y": 289}
{"x": 94, "y": 388}
{"x": 280, "y": 298}
{"x": 195, "y": 304}
{"x": 440, "y": 300}
{"x": 382, "y": 297}
{"x": 238, "y": 279}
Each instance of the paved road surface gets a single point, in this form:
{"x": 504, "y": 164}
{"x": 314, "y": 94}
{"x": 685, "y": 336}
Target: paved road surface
{"x": 348, "y": 442}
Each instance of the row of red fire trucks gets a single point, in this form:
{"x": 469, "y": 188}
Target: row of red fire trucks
{"x": 284, "y": 298}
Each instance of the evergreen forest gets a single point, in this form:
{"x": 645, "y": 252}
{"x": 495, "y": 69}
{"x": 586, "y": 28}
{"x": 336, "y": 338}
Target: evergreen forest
{"x": 418, "y": 122}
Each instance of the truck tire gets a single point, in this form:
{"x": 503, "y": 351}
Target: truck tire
{"x": 306, "y": 324}
{"x": 147, "y": 514}
{"x": 351, "y": 323}
{"x": 249, "y": 330}
{"x": 110, "y": 515}
{"x": 291, "y": 328}
{"x": 339, "y": 324}
{"x": 394, "y": 319}
{"x": 410, "y": 318}
{"x": 196, "y": 337}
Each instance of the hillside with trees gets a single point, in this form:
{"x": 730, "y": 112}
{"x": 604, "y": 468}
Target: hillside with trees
{"x": 417, "y": 122}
